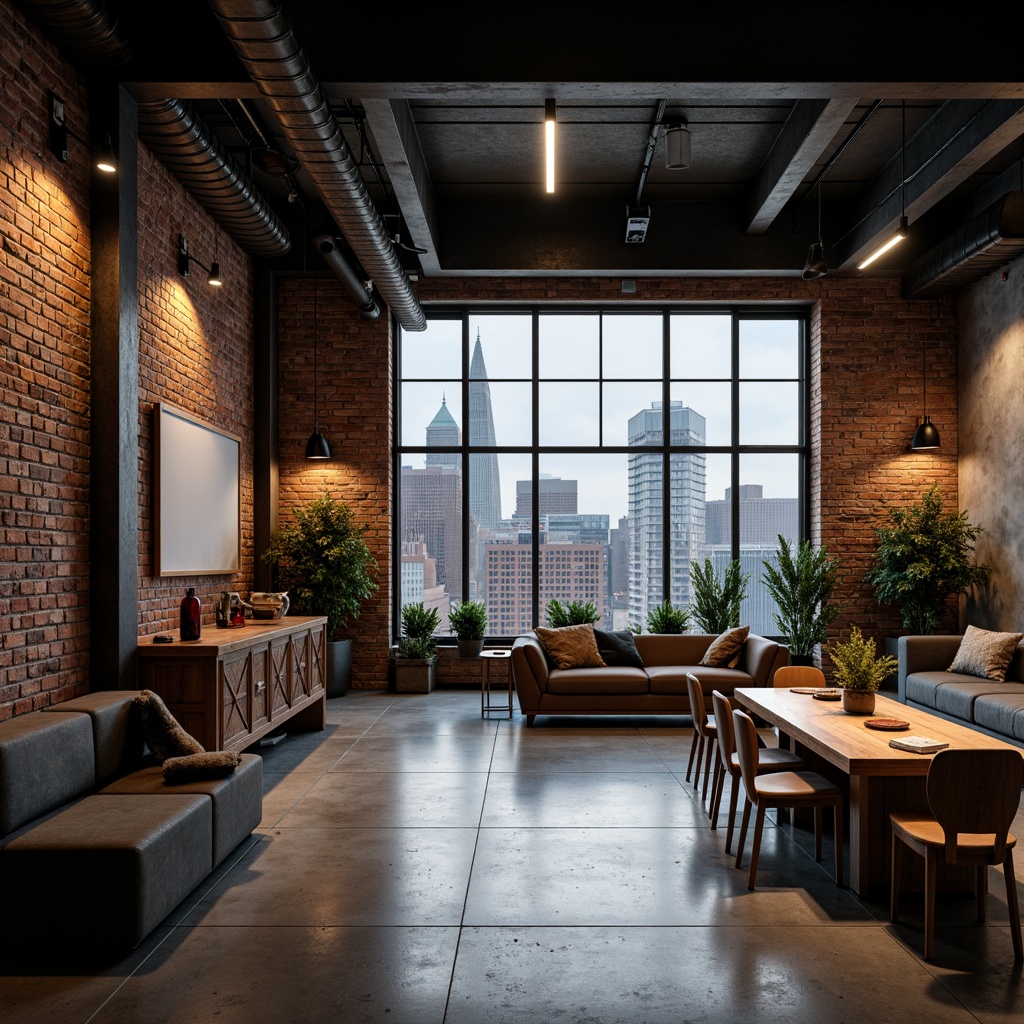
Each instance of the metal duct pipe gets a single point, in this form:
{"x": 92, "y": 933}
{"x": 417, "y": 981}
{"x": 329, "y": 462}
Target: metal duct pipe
{"x": 83, "y": 28}
{"x": 988, "y": 241}
{"x": 263, "y": 38}
{"x": 361, "y": 291}
{"x": 188, "y": 148}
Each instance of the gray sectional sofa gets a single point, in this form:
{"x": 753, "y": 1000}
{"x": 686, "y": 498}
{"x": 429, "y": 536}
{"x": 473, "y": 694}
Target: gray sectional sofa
{"x": 996, "y": 709}
{"x": 95, "y": 848}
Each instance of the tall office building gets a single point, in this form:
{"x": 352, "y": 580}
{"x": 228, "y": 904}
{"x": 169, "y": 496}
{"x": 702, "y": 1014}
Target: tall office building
{"x": 484, "y": 482}
{"x": 646, "y": 501}
{"x": 443, "y": 431}
{"x": 761, "y": 519}
{"x": 431, "y": 514}
{"x": 555, "y": 496}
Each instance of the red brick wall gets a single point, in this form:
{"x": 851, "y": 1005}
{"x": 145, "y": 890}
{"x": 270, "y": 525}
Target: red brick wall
{"x": 195, "y": 353}
{"x": 44, "y": 380}
{"x": 354, "y": 374}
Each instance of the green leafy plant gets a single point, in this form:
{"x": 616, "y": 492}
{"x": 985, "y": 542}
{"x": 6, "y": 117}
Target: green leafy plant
{"x": 666, "y": 618}
{"x": 924, "y": 557}
{"x": 716, "y": 601}
{"x": 801, "y": 585}
{"x": 468, "y": 620}
{"x": 574, "y": 613}
{"x": 323, "y": 562}
{"x": 419, "y": 625}
{"x": 855, "y": 664}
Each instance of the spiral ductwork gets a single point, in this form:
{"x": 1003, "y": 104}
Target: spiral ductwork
{"x": 263, "y": 38}
{"x": 82, "y": 28}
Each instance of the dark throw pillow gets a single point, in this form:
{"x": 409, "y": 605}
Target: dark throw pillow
{"x": 726, "y": 648}
{"x": 194, "y": 767}
{"x": 570, "y": 646}
{"x": 164, "y": 736}
{"x": 618, "y": 648}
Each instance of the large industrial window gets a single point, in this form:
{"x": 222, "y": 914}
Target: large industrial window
{"x": 593, "y": 456}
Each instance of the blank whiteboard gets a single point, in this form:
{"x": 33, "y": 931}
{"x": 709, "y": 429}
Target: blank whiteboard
{"x": 198, "y": 496}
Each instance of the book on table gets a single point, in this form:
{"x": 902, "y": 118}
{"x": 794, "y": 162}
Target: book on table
{"x": 918, "y": 744}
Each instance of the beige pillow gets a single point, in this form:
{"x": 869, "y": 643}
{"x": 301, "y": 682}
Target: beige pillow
{"x": 571, "y": 646}
{"x": 985, "y": 653}
{"x": 725, "y": 649}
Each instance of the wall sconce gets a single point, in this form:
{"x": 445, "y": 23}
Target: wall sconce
{"x": 103, "y": 156}
{"x": 186, "y": 259}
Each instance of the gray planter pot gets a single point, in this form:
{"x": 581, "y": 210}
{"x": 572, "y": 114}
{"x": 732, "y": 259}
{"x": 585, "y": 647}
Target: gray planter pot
{"x": 414, "y": 675}
{"x": 339, "y": 667}
{"x": 470, "y": 648}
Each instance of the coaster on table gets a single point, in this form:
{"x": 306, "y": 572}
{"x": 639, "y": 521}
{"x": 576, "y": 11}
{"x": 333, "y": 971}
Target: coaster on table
{"x": 827, "y": 695}
{"x": 812, "y": 690}
{"x": 887, "y": 724}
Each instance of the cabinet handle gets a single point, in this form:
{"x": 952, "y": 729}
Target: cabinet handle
{"x": 302, "y": 666}
{"x": 260, "y": 687}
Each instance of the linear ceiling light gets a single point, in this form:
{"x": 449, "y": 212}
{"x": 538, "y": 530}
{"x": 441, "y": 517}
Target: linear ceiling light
{"x": 549, "y": 145}
{"x": 902, "y": 229}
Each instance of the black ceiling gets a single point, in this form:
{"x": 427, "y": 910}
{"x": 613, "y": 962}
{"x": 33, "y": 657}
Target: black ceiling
{"x": 779, "y": 97}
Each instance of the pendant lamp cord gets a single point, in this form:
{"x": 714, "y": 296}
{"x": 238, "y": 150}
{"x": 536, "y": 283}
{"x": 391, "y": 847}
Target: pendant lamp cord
{"x": 316, "y": 413}
{"x": 903, "y": 161}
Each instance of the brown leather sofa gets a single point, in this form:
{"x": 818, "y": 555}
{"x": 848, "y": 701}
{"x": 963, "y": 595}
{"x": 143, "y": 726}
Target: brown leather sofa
{"x": 659, "y": 688}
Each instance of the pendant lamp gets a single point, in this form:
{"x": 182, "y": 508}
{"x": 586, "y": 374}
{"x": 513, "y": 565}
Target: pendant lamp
{"x": 317, "y": 446}
{"x": 926, "y": 437}
{"x": 816, "y": 267}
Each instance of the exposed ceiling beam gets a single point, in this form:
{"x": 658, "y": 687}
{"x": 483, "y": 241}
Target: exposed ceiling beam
{"x": 810, "y": 127}
{"x": 394, "y": 132}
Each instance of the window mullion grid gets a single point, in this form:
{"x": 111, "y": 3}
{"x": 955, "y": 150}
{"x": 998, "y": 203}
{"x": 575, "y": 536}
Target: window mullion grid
{"x": 666, "y": 462}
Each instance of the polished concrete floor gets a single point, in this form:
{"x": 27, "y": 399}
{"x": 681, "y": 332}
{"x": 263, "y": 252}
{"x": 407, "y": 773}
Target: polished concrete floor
{"x": 417, "y": 864}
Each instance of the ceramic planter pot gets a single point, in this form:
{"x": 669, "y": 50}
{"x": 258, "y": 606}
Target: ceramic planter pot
{"x": 414, "y": 675}
{"x": 339, "y": 667}
{"x": 858, "y": 702}
{"x": 470, "y": 648}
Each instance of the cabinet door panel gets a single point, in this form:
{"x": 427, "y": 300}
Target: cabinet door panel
{"x": 317, "y": 655}
{"x": 260, "y": 667}
{"x": 236, "y": 710}
{"x": 280, "y": 676}
{"x": 300, "y": 667}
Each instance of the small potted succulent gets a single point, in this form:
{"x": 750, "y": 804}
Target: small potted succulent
{"x": 468, "y": 621}
{"x": 416, "y": 662}
{"x": 857, "y": 668}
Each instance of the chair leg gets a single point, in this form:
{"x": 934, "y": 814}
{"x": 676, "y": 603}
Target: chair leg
{"x": 929, "y": 905}
{"x": 897, "y": 871}
{"x": 981, "y": 890}
{"x": 707, "y": 769}
{"x": 837, "y": 829}
{"x": 734, "y": 792}
{"x": 693, "y": 750}
{"x": 743, "y": 831}
{"x": 716, "y": 793}
{"x": 1013, "y": 908}
{"x": 700, "y": 754}
{"x": 755, "y": 850}
{"x": 817, "y": 831}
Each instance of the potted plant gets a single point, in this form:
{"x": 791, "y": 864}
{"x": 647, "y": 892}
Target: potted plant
{"x": 326, "y": 566}
{"x": 468, "y": 621}
{"x": 666, "y": 618}
{"x": 858, "y": 670}
{"x": 716, "y": 601}
{"x": 415, "y": 665}
{"x": 801, "y": 586}
{"x": 924, "y": 557}
{"x": 575, "y": 613}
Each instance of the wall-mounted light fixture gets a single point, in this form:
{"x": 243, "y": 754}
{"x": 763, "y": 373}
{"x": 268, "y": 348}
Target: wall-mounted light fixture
{"x": 677, "y": 146}
{"x": 103, "y": 156}
{"x": 902, "y": 229}
{"x": 317, "y": 446}
{"x": 549, "y": 145}
{"x": 186, "y": 259}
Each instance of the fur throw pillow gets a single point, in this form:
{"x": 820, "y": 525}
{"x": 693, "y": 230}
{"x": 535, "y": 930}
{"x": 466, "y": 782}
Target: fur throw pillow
{"x": 570, "y": 646}
{"x": 164, "y": 736}
{"x": 194, "y": 767}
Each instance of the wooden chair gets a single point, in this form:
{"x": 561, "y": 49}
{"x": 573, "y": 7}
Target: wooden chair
{"x": 973, "y": 796}
{"x": 799, "y": 675}
{"x": 706, "y": 729}
{"x": 782, "y": 789}
{"x": 770, "y": 759}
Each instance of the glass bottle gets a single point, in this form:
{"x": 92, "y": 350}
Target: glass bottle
{"x": 191, "y": 621}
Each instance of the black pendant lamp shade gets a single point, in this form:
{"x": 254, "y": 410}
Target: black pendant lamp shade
{"x": 317, "y": 446}
{"x": 926, "y": 437}
{"x": 816, "y": 267}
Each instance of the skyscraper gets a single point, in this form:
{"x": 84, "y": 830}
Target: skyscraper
{"x": 555, "y": 496}
{"x": 484, "y": 482}
{"x": 646, "y": 497}
{"x": 442, "y": 430}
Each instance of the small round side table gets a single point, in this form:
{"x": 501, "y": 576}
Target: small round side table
{"x": 486, "y": 705}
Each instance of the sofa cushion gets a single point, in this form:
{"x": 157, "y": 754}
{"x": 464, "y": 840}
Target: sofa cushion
{"x": 667, "y": 679}
{"x": 598, "y": 680}
{"x": 618, "y": 648}
{"x": 45, "y": 761}
{"x": 672, "y": 648}
{"x": 164, "y": 736}
{"x": 570, "y": 646}
{"x": 1002, "y": 712}
{"x": 985, "y": 653}
{"x": 726, "y": 648}
{"x": 949, "y": 693}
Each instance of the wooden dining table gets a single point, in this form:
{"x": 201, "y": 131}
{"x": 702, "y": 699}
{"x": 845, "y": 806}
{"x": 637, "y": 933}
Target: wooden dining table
{"x": 878, "y": 778}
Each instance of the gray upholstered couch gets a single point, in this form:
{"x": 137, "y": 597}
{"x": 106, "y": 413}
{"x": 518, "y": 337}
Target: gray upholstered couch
{"x": 659, "y": 688}
{"x": 95, "y": 848}
{"x": 924, "y": 682}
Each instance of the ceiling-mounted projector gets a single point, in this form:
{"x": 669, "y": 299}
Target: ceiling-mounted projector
{"x": 638, "y": 218}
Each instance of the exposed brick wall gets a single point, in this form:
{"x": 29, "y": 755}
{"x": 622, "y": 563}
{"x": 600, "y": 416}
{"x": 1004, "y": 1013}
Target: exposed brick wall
{"x": 195, "y": 353}
{"x": 354, "y": 374}
{"x": 44, "y": 380}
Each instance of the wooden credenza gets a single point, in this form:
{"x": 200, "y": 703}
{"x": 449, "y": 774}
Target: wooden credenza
{"x": 233, "y": 686}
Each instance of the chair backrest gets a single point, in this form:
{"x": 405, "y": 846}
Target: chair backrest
{"x": 723, "y": 720}
{"x": 746, "y": 751}
{"x": 697, "y": 709}
{"x": 799, "y": 675}
{"x": 975, "y": 792}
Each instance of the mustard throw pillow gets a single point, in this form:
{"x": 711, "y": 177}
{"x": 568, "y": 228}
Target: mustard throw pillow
{"x": 570, "y": 646}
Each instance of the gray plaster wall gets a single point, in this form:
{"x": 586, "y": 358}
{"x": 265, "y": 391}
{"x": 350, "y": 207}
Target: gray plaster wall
{"x": 991, "y": 457}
